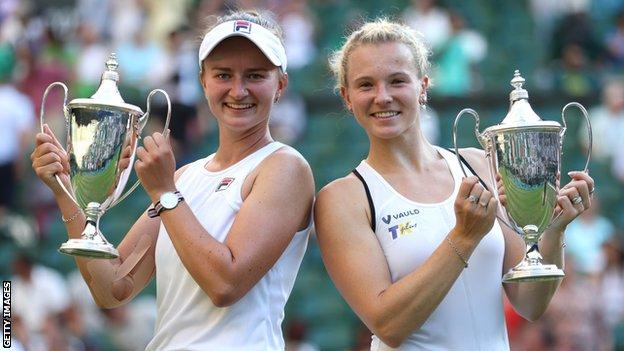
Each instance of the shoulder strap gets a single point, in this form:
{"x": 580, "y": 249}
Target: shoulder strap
{"x": 371, "y": 205}
{"x": 471, "y": 169}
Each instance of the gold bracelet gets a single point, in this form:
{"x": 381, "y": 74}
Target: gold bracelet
{"x": 72, "y": 217}
{"x": 461, "y": 257}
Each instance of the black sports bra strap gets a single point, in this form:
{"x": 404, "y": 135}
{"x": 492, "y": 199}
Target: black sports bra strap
{"x": 371, "y": 205}
{"x": 471, "y": 169}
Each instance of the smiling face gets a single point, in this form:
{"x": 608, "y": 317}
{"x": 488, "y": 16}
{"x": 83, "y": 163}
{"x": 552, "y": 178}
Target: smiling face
{"x": 241, "y": 84}
{"x": 383, "y": 88}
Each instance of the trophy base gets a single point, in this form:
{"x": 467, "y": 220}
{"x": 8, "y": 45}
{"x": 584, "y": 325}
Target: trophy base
{"x": 533, "y": 273}
{"x": 89, "y": 248}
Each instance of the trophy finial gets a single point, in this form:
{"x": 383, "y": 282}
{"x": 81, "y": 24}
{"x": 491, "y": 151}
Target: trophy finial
{"x": 520, "y": 111}
{"x": 111, "y": 63}
{"x": 519, "y": 92}
{"x": 107, "y": 91}
{"x": 517, "y": 80}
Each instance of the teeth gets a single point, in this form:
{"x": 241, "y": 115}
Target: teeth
{"x": 239, "y": 106}
{"x": 385, "y": 114}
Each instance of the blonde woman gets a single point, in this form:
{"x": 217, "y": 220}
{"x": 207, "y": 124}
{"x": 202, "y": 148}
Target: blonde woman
{"x": 412, "y": 245}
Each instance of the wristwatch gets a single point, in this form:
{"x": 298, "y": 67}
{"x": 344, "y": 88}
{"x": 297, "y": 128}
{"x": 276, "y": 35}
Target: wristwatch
{"x": 168, "y": 201}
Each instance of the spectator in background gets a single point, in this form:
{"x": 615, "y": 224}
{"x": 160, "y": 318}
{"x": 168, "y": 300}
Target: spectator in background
{"x": 615, "y": 42}
{"x": 130, "y": 327}
{"x": 296, "y": 332}
{"x": 456, "y": 58}
{"x": 142, "y": 64}
{"x": 95, "y": 13}
{"x": 607, "y": 121}
{"x": 432, "y": 21}
{"x": 16, "y": 130}
{"x": 127, "y": 19}
{"x": 612, "y": 289}
{"x": 574, "y": 319}
{"x": 585, "y": 238}
{"x": 574, "y": 73}
{"x": 299, "y": 30}
{"x": 575, "y": 28}
{"x": 91, "y": 53}
{"x": 41, "y": 297}
{"x": 184, "y": 91}
{"x": 289, "y": 118}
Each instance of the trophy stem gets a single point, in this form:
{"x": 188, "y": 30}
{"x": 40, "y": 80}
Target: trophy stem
{"x": 532, "y": 268}
{"x": 92, "y": 243}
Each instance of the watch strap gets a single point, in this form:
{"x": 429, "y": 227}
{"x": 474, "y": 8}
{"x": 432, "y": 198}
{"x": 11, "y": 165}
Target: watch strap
{"x": 158, "y": 207}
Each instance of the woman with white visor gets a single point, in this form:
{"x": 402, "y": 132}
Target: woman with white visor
{"x": 227, "y": 233}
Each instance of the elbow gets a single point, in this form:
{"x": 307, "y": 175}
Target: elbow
{"x": 392, "y": 339}
{"x": 223, "y": 296}
{"x": 390, "y": 335}
{"x": 107, "y": 304}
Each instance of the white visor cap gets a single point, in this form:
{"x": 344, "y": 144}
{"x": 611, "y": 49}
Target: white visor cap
{"x": 267, "y": 42}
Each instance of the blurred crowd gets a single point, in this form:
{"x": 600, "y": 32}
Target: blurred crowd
{"x": 567, "y": 48}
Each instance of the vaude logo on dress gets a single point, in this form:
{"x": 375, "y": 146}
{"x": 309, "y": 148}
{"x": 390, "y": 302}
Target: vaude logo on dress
{"x": 389, "y": 218}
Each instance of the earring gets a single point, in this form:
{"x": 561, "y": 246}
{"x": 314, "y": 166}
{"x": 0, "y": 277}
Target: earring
{"x": 423, "y": 99}
{"x": 277, "y": 97}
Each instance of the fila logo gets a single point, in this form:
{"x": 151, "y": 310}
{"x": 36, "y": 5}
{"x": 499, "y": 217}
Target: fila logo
{"x": 387, "y": 219}
{"x": 224, "y": 184}
{"x": 402, "y": 229}
{"x": 242, "y": 26}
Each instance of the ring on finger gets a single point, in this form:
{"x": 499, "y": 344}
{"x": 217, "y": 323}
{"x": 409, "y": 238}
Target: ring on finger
{"x": 577, "y": 200}
{"x": 473, "y": 199}
{"x": 591, "y": 192}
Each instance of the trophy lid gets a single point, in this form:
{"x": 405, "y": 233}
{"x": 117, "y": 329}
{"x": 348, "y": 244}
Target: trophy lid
{"x": 107, "y": 93}
{"x": 520, "y": 112}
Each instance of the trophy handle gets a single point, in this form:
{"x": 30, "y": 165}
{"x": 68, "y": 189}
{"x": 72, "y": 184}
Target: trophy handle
{"x": 483, "y": 143}
{"x": 142, "y": 123}
{"x": 42, "y": 122}
{"x": 476, "y": 131}
{"x": 589, "y": 129}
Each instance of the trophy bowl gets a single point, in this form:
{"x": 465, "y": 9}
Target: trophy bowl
{"x": 101, "y": 132}
{"x": 524, "y": 153}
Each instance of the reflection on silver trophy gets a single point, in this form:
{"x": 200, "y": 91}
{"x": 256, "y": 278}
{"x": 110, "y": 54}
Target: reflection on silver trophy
{"x": 101, "y": 131}
{"x": 525, "y": 153}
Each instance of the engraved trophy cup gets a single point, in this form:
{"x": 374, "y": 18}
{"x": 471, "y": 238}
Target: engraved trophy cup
{"x": 99, "y": 129}
{"x": 525, "y": 153}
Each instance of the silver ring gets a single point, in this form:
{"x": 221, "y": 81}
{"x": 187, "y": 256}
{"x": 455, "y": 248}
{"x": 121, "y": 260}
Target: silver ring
{"x": 591, "y": 192}
{"x": 577, "y": 200}
{"x": 473, "y": 199}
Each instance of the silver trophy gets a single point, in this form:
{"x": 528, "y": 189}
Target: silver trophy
{"x": 99, "y": 130}
{"x": 525, "y": 153}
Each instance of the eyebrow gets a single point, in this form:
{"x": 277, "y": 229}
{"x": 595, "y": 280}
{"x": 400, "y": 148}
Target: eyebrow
{"x": 253, "y": 69}
{"x": 392, "y": 75}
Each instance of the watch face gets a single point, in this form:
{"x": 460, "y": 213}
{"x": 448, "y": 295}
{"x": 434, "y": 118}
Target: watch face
{"x": 169, "y": 200}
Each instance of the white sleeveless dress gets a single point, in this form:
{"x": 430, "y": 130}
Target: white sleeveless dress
{"x": 470, "y": 317}
{"x": 187, "y": 319}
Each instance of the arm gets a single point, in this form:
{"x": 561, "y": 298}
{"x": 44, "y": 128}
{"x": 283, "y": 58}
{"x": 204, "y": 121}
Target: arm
{"x": 358, "y": 267}
{"x": 278, "y": 204}
{"x": 530, "y": 299}
{"x": 111, "y": 282}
